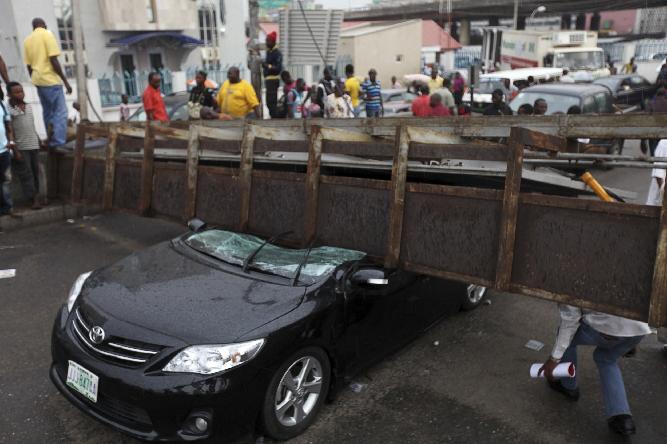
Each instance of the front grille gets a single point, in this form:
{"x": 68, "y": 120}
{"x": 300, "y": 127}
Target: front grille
{"x": 115, "y": 349}
{"x": 122, "y": 411}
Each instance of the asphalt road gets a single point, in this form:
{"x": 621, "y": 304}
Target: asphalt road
{"x": 472, "y": 387}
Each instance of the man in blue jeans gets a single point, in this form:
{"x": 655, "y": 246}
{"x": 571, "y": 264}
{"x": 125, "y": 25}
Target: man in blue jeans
{"x": 612, "y": 337}
{"x": 41, "y": 53}
{"x": 6, "y": 145}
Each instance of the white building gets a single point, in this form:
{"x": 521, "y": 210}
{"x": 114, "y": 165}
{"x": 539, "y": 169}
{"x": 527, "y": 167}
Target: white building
{"x": 126, "y": 39}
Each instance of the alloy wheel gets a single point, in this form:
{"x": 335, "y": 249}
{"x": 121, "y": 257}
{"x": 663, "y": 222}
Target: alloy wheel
{"x": 298, "y": 391}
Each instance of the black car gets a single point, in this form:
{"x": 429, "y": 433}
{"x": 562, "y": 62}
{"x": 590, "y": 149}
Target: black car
{"x": 176, "y": 105}
{"x": 218, "y": 333}
{"x": 560, "y": 97}
{"x": 629, "y": 89}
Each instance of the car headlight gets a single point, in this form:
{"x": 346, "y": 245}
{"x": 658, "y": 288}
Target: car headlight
{"x": 75, "y": 290}
{"x": 209, "y": 359}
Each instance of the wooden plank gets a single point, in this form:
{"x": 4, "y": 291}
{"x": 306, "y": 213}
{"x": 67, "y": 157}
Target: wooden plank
{"x": 191, "y": 165}
{"x": 245, "y": 174}
{"x": 110, "y": 169}
{"x": 448, "y": 190}
{"x": 312, "y": 184}
{"x": 541, "y": 141}
{"x": 277, "y": 133}
{"x": 596, "y": 206}
{"x": 147, "y": 171}
{"x": 399, "y": 174}
{"x": 232, "y": 134}
{"x": 168, "y": 132}
{"x": 77, "y": 169}
{"x": 130, "y": 131}
{"x": 344, "y": 135}
{"x": 657, "y": 315}
{"x": 510, "y": 211}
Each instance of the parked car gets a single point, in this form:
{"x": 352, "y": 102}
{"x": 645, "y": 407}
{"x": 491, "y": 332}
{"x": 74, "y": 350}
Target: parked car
{"x": 217, "y": 332}
{"x": 396, "y": 102}
{"x": 176, "y": 104}
{"x": 628, "y": 89}
{"x": 590, "y": 97}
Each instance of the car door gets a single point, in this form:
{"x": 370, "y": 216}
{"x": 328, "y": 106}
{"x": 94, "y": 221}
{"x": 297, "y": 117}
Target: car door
{"x": 637, "y": 95}
{"x": 375, "y": 314}
{"x": 624, "y": 93}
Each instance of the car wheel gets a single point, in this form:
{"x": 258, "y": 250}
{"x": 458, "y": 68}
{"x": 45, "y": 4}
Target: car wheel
{"x": 473, "y": 297}
{"x": 296, "y": 394}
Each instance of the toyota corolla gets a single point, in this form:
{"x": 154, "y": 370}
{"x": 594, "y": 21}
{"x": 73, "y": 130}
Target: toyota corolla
{"x": 217, "y": 333}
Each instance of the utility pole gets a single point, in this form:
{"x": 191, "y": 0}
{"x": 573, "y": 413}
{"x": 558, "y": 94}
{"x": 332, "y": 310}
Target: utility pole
{"x": 254, "y": 59}
{"x": 516, "y": 14}
{"x": 81, "y": 90}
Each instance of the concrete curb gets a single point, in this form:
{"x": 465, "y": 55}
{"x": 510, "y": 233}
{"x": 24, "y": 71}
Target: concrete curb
{"x": 49, "y": 214}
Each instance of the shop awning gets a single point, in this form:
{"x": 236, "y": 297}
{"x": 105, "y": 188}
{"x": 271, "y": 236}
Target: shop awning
{"x": 133, "y": 39}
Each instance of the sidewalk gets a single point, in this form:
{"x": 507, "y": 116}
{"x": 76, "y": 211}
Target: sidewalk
{"x": 54, "y": 212}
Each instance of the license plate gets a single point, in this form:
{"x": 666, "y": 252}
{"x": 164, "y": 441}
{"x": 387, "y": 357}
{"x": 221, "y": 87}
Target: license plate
{"x": 82, "y": 380}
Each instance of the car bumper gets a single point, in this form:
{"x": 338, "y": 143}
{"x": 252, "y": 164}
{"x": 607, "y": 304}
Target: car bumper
{"x": 154, "y": 406}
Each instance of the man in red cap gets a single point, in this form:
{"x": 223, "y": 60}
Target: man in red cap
{"x": 273, "y": 66}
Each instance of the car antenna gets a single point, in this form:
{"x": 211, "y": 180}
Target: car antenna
{"x": 302, "y": 263}
{"x": 251, "y": 256}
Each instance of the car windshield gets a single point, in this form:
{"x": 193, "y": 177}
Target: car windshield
{"x": 234, "y": 248}
{"x": 580, "y": 60}
{"x": 556, "y": 103}
{"x": 177, "y": 110}
{"x": 487, "y": 86}
{"x": 609, "y": 82}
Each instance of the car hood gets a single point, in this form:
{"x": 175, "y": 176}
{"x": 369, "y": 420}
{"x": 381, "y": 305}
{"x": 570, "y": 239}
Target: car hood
{"x": 175, "y": 294}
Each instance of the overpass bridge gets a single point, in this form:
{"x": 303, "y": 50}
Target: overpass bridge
{"x": 465, "y": 10}
{"x": 483, "y": 9}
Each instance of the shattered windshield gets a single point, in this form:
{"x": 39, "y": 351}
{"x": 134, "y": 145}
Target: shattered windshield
{"x": 234, "y": 248}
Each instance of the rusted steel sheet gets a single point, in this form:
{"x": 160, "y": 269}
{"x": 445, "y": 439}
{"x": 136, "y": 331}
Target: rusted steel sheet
{"x": 127, "y": 184}
{"x": 221, "y": 204}
{"x": 77, "y": 169}
{"x": 147, "y": 171}
{"x": 277, "y": 204}
{"x": 169, "y": 189}
{"x": 586, "y": 256}
{"x": 93, "y": 180}
{"x": 191, "y": 166}
{"x": 64, "y": 166}
{"x": 111, "y": 153}
{"x": 353, "y": 212}
{"x": 658, "y": 304}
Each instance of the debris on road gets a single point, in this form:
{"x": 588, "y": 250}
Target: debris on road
{"x": 358, "y": 387}
{"x": 534, "y": 345}
{"x": 487, "y": 302}
{"x": 70, "y": 221}
{"x": 5, "y": 274}
{"x": 436, "y": 343}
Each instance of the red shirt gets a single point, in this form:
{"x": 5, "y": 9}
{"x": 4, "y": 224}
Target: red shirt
{"x": 421, "y": 106}
{"x": 153, "y": 102}
{"x": 440, "y": 110}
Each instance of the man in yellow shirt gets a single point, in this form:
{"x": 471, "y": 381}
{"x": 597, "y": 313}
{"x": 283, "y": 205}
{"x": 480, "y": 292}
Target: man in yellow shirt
{"x": 237, "y": 97}
{"x": 41, "y": 53}
{"x": 435, "y": 82}
{"x": 353, "y": 88}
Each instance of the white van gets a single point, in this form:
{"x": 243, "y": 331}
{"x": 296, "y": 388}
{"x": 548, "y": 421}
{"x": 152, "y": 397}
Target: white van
{"x": 507, "y": 81}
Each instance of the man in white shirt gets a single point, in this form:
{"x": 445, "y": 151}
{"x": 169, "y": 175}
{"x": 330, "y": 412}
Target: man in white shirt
{"x": 566, "y": 77}
{"x": 657, "y": 186}
{"x": 612, "y": 337}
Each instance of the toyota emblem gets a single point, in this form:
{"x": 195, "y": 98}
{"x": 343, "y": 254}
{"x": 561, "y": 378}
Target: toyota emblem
{"x": 97, "y": 334}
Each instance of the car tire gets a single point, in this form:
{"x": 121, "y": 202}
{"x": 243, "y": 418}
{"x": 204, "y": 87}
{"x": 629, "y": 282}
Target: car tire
{"x": 473, "y": 297}
{"x": 292, "y": 401}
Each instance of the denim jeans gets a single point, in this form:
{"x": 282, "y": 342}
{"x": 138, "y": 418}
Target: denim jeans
{"x": 606, "y": 354}
{"x": 54, "y": 111}
{"x": 5, "y": 182}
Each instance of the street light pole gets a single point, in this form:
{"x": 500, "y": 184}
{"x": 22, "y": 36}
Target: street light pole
{"x": 81, "y": 89}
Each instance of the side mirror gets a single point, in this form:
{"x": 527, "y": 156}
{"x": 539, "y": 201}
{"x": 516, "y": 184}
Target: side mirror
{"x": 369, "y": 276}
{"x": 195, "y": 225}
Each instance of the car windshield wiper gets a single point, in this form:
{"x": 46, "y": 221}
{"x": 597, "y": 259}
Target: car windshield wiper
{"x": 251, "y": 256}
{"x": 303, "y": 262}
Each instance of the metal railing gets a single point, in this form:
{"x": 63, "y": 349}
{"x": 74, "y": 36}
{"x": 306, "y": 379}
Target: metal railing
{"x": 131, "y": 83}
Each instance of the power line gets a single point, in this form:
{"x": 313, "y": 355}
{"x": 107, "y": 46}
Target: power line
{"x": 312, "y": 36}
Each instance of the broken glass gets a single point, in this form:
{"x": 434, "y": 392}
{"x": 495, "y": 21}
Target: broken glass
{"x": 234, "y": 248}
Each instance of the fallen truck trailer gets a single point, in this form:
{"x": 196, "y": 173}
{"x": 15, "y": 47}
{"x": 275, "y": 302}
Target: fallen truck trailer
{"x": 607, "y": 256}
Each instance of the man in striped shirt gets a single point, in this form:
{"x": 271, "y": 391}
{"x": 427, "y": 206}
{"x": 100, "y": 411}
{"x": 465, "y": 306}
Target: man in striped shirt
{"x": 373, "y": 95}
{"x": 25, "y": 166}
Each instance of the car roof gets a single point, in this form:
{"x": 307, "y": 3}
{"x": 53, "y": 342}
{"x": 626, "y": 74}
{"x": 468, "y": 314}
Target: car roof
{"x": 524, "y": 73}
{"x": 568, "y": 89}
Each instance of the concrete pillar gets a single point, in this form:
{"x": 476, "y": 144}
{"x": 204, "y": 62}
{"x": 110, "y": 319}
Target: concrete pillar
{"x": 494, "y": 21}
{"x": 566, "y": 21}
{"x": 595, "y": 22}
{"x": 521, "y": 23}
{"x": 464, "y": 33}
{"x": 580, "y": 23}
{"x": 454, "y": 31}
